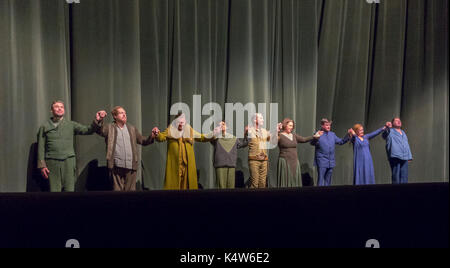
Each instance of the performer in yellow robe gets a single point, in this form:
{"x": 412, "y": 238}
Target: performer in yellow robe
{"x": 181, "y": 170}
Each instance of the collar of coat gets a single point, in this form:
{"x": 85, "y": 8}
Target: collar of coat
{"x": 125, "y": 125}
{"x": 50, "y": 126}
{"x": 187, "y": 134}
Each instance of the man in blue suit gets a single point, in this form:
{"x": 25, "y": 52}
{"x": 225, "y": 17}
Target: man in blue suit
{"x": 324, "y": 157}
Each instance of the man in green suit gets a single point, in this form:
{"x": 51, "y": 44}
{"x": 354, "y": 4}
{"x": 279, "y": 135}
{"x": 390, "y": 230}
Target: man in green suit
{"x": 56, "y": 154}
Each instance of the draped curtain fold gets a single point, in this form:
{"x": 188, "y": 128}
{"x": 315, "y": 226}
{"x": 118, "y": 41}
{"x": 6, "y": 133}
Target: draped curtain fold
{"x": 347, "y": 60}
{"x": 34, "y": 70}
{"x": 381, "y": 61}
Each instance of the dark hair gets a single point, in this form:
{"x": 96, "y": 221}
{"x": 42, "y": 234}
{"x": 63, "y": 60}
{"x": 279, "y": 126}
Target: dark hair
{"x": 286, "y": 121}
{"x": 56, "y": 101}
{"x": 393, "y": 119}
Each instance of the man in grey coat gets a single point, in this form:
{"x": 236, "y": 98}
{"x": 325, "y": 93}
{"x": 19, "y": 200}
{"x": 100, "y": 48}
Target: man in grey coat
{"x": 121, "y": 153}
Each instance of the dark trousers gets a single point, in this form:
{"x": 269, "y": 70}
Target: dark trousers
{"x": 399, "y": 170}
{"x": 324, "y": 175}
{"x": 123, "y": 179}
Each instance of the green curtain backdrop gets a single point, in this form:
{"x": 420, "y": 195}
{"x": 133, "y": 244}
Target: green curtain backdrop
{"x": 381, "y": 61}
{"x": 347, "y": 60}
{"x": 34, "y": 70}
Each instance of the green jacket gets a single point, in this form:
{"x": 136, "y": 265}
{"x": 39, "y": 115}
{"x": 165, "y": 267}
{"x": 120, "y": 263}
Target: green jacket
{"x": 57, "y": 142}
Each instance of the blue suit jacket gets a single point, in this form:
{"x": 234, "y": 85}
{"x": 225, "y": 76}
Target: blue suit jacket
{"x": 325, "y": 145}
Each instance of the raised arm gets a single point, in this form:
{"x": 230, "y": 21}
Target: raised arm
{"x": 80, "y": 129}
{"x": 273, "y": 136}
{"x": 342, "y": 141}
{"x": 378, "y": 131}
{"x": 198, "y": 137}
{"x": 387, "y": 131}
{"x": 96, "y": 126}
{"x": 162, "y": 136}
{"x": 351, "y": 135}
{"x": 101, "y": 127}
{"x": 242, "y": 143}
{"x": 316, "y": 137}
{"x": 144, "y": 141}
{"x": 301, "y": 139}
{"x": 375, "y": 133}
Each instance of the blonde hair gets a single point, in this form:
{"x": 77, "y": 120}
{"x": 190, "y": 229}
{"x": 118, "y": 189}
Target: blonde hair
{"x": 115, "y": 110}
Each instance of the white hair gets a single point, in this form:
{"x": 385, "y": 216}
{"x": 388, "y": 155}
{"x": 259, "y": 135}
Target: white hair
{"x": 256, "y": 115}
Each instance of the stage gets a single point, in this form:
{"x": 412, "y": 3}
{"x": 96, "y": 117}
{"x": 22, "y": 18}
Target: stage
{"x": 413, "y": 215}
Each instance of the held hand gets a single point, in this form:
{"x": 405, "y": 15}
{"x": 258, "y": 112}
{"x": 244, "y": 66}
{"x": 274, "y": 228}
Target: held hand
{"x": 279, "y": 127}
{"x": 388, "y": 124}
{"x": 217, "y": 131}
{"x": 155, "y": 132}
{"x": 45, "y": 172}
{"x": 100, "y": 115}
{"x": 318, "y": 134}
{"x": 351, "y": 132}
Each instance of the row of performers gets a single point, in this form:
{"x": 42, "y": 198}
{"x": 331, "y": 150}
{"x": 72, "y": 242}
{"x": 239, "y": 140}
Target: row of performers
{"x": 56, "y": 154}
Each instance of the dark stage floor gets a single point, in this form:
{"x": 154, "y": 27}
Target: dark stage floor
{"x": 413, "y": 215}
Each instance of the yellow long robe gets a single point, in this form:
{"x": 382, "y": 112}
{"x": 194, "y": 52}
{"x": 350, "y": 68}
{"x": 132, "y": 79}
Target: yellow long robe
{"x": 180, "y": 150}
